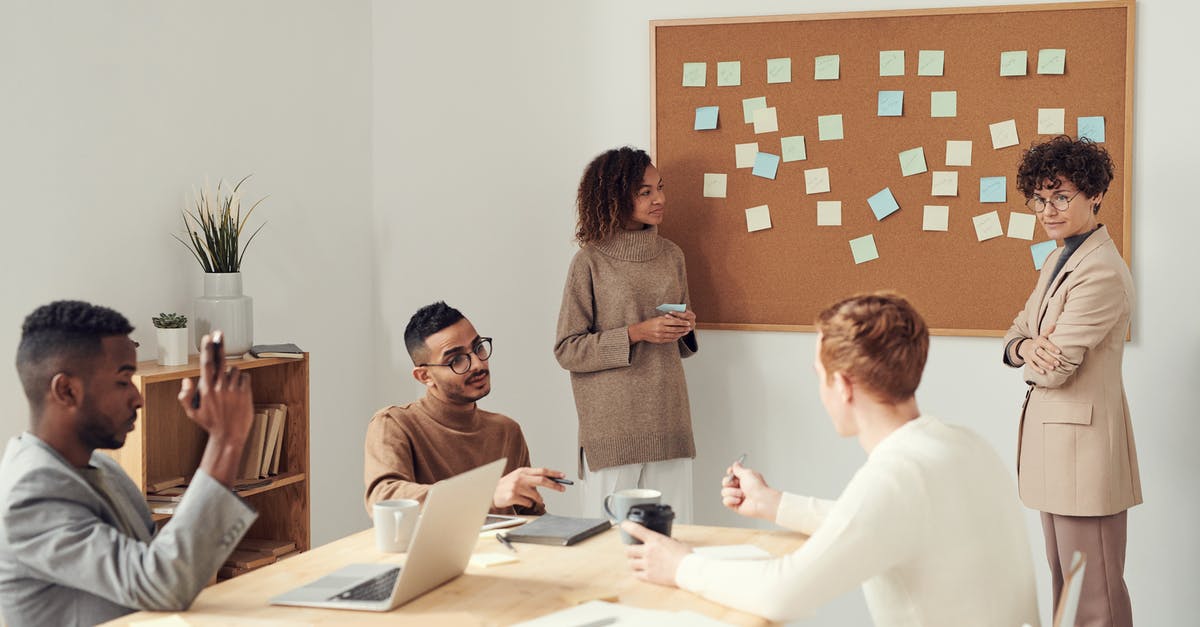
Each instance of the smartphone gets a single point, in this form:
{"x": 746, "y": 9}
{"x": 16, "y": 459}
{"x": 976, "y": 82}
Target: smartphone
{"x": 494, "y": 521}
{"x": 217, "y": 355}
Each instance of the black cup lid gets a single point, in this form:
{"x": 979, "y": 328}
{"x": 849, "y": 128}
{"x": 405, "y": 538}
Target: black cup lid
{"x": 650, "y": 511}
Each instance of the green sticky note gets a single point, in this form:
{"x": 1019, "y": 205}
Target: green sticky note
{"x": 863, "y": 249}
{"x": 1013, "y": 62}
{"x": 793, "y": 148}
{"x": 829, "y": 127}
{"x": 827, "y": 67}
{"x": 779, "y": 70}
{"x": 1052, "y": 60}
{"x": 750, "y": 105}
{"x": 912, "y": 161}
{"x": 891, "y": 63}
{"x": 694, "y": 74}
{"x": 943, "y": 104}
{"x": 931, "y": 62}
{"x": 729, "y": 73}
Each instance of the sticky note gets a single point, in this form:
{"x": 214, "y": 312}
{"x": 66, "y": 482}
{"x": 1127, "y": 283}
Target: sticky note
{"x": 958, "y": 152}
{"x": 694, "y": 74}
{"x": 891, "y": 63}
{"x": 944, "y": 184}
{"x": 816, "y": 181}
{"x": 765, "y": 165}
{"x": 937, "y": 218}
{"x": 987, "y": 225}
{"x": 883, "y": 203}
{"x": 729, "y": 73}
{"x": 829, "y": 127}
{"x": 1051, "y": 60}
{"x": 745, "y": 154}
{"x": 714, "y": 185}
{"x": 829, "y": 213}
{"x": 931, "y": 62}
{"x": 1004, "y": 134}
{"x": 766, "y": 121}
{"x": 912, "y": 161}
{"x": 992, "y": 188}
{"x": 1040, "y": 251}
{"x": 863, "y": 249}
{"x": 891, "y": 103}
{"x": 706, "y": 118}
{"x": 1020, "y": 225}
{"x": 793, "y": 148}
{"x": 758, "y": 218}
{"x": 1013, "y": 62}
{"x": 827, "y": 67}
{"x": 779, "y": 70}
{"x": 1051, "y": 121}
{"x": 750, "y": 105}
{"x": 943, "y": 104}
{"x": 1091, "y": 127}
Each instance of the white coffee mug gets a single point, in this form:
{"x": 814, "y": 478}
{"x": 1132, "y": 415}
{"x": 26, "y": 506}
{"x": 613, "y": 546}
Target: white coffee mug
{"x": 395, "y": 521}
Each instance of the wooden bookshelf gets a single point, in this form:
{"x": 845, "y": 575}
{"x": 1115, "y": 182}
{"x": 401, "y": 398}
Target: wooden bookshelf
{"x": 165, "y": 443}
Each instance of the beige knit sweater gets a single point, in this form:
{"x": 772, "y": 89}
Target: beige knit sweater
{"x": 632, "y": 400}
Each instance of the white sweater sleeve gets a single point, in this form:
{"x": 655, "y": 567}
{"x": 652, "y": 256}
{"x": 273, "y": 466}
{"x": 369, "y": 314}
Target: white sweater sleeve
{"x": 870, "y": 528}
{"x": 802, "y": 513}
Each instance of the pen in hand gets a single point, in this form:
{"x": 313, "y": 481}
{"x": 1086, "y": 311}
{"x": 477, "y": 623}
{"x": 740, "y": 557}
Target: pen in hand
{"x": 561, "y": 481}
{"x": 505, "y": 541}
{"x": 729, "y": 476}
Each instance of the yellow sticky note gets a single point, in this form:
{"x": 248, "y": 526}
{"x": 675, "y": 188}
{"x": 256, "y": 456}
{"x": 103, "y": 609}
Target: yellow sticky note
{"x": 729, "y": 73}
{"x": 745, "y": 154}
{"x": 827, "y": 67}
{"x": 912, "y": 161}
{"x": 816, "y": 180}
{"x": 750, "y": 105}
{"x": 1013, "y": 62}
{"x": 1020, "y": 225}
{"x": 1004, "y": 134}
{"x": 793, "y": 148}
{"x": 958, "y": 152}
{"x": 987, "y": 225}
{"x": 766, "y": 121}
{"x": 945, "y": 184}
{"x": 931, "y": 62}
{"x": 779, "y": 70}
{"x": 1052, "y": 60}
{"x": 937, "y": 218}
{"x": 1052, "y": 121}
{"x": 863, "y": 248}
{"x": 714, "y": 185}
{"x": 829, "y": 127}
{"x": 829, "y": 213}
{"x": 891, "y": 63}
{"x": 758, "y": 218}
{"x": 694, "y": 74}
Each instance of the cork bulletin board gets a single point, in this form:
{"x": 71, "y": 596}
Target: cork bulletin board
{"x": 1078, "y": 58}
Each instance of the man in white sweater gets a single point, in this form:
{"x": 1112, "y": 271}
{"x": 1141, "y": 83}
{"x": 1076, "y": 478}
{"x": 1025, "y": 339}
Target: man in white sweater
{"x": 930, "y": 525}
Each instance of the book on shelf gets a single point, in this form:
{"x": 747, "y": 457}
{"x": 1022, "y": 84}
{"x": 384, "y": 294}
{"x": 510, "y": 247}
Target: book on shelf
{"x": 252, "y": 454}
{"x": 267, "y": 545}
{"x": 167, "y": 495}
{"x": 277, "y": 453}
{"x": 558, "y": 530}
{"x": 163, "y": 484}
{"x": 290, "y": 351}
{"x": 249, "y": 559}
{"x": 276, "y": 414}
{"x": 162, "y": 508}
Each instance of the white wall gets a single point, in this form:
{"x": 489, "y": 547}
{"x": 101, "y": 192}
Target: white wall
{"x": 486, "y": 113}
{"x": 111, "y": 112}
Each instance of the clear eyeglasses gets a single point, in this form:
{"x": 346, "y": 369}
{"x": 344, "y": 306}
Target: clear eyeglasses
{"x": 461, "y": 362}
{"x": 1058, "y": 200}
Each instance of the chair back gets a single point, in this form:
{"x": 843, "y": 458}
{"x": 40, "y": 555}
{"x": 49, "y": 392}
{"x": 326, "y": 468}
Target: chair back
{"x": 1068, "y": 604}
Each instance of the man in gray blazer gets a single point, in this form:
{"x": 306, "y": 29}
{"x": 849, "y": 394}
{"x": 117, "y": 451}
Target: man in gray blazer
{"x": 77, "y": 544}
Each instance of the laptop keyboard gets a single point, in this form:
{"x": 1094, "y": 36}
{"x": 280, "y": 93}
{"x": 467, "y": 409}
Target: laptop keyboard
{"x": 377, "y": 588}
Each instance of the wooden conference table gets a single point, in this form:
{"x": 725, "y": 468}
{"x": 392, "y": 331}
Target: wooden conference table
{"x": 544, "y": 580}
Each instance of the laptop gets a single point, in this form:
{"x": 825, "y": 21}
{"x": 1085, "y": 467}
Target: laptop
{"x": 446, "y": 535}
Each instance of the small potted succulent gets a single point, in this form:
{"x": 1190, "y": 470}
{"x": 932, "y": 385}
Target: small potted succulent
{"x": 172, "y": 338}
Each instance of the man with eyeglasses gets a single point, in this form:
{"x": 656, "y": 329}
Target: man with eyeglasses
{"x": 411, "y": 447}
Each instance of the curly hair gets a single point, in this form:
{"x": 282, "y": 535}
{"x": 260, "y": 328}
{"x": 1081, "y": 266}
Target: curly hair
{"x": 606, "y": 191}
{"x": 428, "y": 320}
{"x": 1083, "y": 162}
{"x": 876, "y": 339}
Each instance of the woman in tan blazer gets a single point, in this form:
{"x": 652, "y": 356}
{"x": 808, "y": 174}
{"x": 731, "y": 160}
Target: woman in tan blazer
{"x": 1076, "y": 461}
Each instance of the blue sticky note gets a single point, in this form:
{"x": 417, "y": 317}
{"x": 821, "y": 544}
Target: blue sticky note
{"x": 765, "y": 165}
{"x": 706, "y": 118}
{"x": 1092, "y": 128}
{"x": 891, "y": 103}
{"x": 1040, "y": 251}
{"x": 676, "y": 307}
{"x": 992, "y": 188}
{"x": 883, "y": 204}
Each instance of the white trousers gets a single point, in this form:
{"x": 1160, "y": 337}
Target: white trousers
{"x": 672, "y": 477}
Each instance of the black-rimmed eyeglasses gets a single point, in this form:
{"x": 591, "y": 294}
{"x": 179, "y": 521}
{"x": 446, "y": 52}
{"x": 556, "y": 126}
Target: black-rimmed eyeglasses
{"x": 1058, "y": 200}
{"x": 461, "y": 362}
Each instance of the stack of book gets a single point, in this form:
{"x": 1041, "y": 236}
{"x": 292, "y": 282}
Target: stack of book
{"x": 264, "y": 446}
{"x": 163, "y": 495}
{"x": 290, "y": 351}
{"x": 254, "y": 553}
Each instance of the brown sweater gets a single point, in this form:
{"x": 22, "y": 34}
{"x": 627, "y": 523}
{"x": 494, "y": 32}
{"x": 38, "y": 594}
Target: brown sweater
{"x": 632, "y": 400}
{"x": 410, "y": 448}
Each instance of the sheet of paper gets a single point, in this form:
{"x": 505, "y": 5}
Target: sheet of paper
{"x": 993, "y": 189}
{"x": 1091, "y": 127}
{"x": 1020, "y": 225}
{"x": 758, "y": 218}
{"x": 891, "y": 63}
{"x": 943, "y": 104}
{"x": 931, "y": 62}
{"x": 829, "y": 213}
{"x": 766, "y": 121}
{"x": 883, "y": 203}
{"x": 591, "y": 612}
{"x": 912, "y": 161}
{"x": 487, "y": 560}
{"x": 936, "y": 218}
{"x": 1013, "y": 63}
{"x": 706, "y": 118}
{"x": 733, "y": 552}
{"x": 729, "y": 73}
{"x": 958, "y": 152}
{"x": 1051, "y": 121}
{"x": 891, "y": 104}
{"x": 750, "y": 105}
{"x": 827, "y": 67}
{"x": 944, "y": 184}
{"x": 1052, "y": 60}
{"x": 1004, "y": 134}
{"x": 745, "y": 154}
{"x": 793, "y": 148}
{"x": 779, "y": 70}
{"x": 1040, "y": 251}
{"x": 829, "y": 127}
{"x": 715, "y": 185}
{"x": 816, "y": 181}
{"x": 766, "y": 165}
{"x": 987, "y": 225}
{"x": 863, "y": 249}
{"x": 695, "y": 74}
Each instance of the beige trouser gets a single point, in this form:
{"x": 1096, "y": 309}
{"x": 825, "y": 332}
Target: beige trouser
{"x": 1104, "y": 600}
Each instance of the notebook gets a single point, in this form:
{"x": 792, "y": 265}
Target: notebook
{"x": 558, "y": 530}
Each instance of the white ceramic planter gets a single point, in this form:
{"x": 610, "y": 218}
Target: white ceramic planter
{"x": 172, "y": 346}
{"x": 224, "y": 308}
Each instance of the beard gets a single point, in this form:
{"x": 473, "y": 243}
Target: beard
{"x": 464, "y": 393}
{"x": 97, "y": 432}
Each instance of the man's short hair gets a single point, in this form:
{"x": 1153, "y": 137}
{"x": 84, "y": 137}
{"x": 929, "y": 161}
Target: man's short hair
{"x": 63, "y": 332}
{"x": 428, "y": 320}
{"x": 877, "y": 340}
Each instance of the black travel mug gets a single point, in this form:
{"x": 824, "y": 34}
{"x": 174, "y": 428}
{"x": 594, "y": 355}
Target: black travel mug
{"x": 652, "y": 516}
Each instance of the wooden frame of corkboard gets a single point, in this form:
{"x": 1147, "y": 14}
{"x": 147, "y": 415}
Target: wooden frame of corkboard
{"x": 779, "y": 279}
